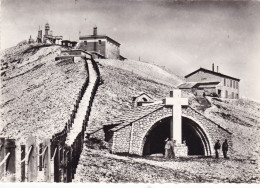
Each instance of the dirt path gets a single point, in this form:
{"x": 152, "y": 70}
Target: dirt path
{"x": 101, "y": 166}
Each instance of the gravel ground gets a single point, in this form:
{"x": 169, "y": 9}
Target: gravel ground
{"x": 101, "y": 166}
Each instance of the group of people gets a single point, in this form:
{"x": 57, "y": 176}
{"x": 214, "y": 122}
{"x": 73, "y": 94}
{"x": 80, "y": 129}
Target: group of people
{"x": 224, "y": 148}
{"x": 169, "y": 148}
{"x": 170, "y": 144}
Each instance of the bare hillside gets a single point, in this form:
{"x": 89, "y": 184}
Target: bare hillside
{"x": 242, "y": 118}
{"x": 120, "y": 85}
{"x": 37, "y": 92}
{"x": 146, "y": 70}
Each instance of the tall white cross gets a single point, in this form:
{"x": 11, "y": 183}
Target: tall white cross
{"x": 176, "y": 102}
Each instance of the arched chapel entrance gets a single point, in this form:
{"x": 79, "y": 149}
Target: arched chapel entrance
{"x": 196, "y": 140}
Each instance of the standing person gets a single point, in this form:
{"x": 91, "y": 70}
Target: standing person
{"x": 167, "y": 148}
{"x": 225, "y": 148}
{"x": 173, "y": 142}
{"x": 217, "y": 147}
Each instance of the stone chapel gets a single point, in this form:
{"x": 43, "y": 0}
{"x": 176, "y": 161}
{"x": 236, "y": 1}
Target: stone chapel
{"x": 143, "y": 129}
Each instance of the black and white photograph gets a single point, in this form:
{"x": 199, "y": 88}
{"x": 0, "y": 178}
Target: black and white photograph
{"x": 130, "y": 91}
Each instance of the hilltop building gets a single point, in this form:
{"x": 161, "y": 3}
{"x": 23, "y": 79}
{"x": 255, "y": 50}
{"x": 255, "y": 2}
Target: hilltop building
{"x": 100, "y": 46}
{"x": 210, "y": 82}
{"x": 48, "y": 37}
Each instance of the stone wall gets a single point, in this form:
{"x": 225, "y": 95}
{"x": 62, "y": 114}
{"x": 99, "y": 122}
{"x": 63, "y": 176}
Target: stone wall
{"x": 121, "y": 140}
{"x": 112, "y": 51}
{"x": 131, "y": 139}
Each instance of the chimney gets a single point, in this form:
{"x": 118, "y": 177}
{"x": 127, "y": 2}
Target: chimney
{"x": 213, "y": 67}
{"x": 217, "y": 68}
{"x": 95, "y": 30}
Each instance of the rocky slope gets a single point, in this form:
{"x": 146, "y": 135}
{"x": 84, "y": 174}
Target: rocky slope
{"x": 120, "y": 83}
{"x": 242, "y": 118}
{"x": 37, "y": 92}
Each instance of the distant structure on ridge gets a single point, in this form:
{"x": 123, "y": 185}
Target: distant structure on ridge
{"x": 212, "y": 83}
{"x": 100, "y": 46}
{"x": 49, "y": 38}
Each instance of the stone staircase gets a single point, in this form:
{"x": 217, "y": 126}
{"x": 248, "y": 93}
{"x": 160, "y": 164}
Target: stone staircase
{"x": 76, "y": 127}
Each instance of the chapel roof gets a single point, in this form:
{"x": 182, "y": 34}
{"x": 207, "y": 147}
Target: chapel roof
{"x": 139, "y": 112}
{"x": 141, "y": 94}
{"x": 133, "y": 115}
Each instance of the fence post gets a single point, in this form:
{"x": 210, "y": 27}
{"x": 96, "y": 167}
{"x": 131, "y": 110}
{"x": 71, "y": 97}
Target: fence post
{"x": 57, "y": 164}
{"x": 40, "y": 157}
{"x": 22, "y": 164}
{"x": 18, "y": 172}
{"x": 82, "y": 140}
{"x": 46, "y": 160}
{"x": 69, "y": 175}
{"x": 73, "y": 159}
{"x": 53, "y": 154}
{"x": 10, "y": 163}
{"x": 65, "y": 159}
{"x": 32, "y": 160}
{"x": 61, "y": 163}
{"x": 2, "y": 156}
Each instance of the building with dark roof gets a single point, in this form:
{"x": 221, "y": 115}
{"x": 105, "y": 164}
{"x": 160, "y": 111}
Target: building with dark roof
{"x": 210, "y": 82}
{"x": 100, "y": 44}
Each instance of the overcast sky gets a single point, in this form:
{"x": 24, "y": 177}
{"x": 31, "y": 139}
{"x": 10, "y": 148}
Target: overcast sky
{"x": 181, "y": 36}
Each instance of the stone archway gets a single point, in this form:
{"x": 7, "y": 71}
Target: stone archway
{"x": 131, "y": 137}
{"x": 155, "y": 138}
{"x": 195, "y": 138}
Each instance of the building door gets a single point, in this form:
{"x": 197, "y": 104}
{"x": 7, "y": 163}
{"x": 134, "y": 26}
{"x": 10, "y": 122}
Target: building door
{"x": 219, "y": 92}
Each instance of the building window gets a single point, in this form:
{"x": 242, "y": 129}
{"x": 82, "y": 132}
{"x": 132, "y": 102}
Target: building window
{"x": 234, "y": 84}
{"x": 85, "y": 42}
{"x": 224, "y": 81}
{"x": 237, "y": 85}
{"x": 99, "y": 41}
{"x": 237, "y": 95}
{"x": 226, "y": 94}
{"x": 230, "y": 83}
{"x": 232, "y": 95}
